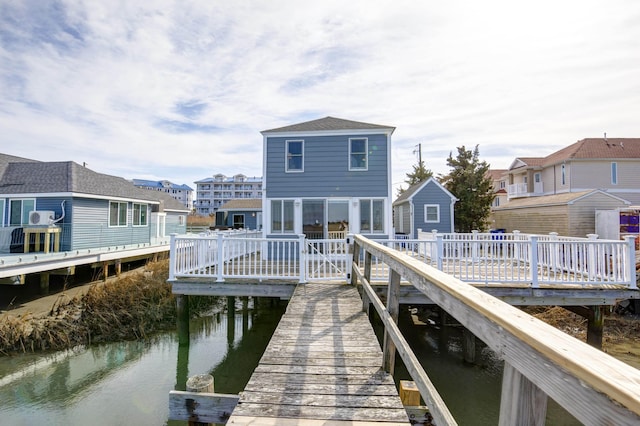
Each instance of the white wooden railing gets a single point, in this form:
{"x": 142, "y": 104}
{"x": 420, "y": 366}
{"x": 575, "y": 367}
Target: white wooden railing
{"x": 496, "y": 259}
{"x": 540, "y": 361}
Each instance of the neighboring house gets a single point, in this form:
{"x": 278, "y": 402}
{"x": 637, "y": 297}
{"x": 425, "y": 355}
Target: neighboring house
{"x": 213, "y": 192}
{"x": 499, "y": 179}
{"x": 569, "y": 214}
{"x": 181, "y": 193}
{"x": 608, "y": 164}
{"x": 92, "y": 209}
{"x": 591, "y": 174}
{"x": 326, "y": 177}
{"x": 427, "y": 206}
{"x": 240, "y": 214}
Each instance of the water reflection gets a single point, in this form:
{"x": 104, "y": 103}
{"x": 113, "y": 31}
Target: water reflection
{"x": 129, "y": 382}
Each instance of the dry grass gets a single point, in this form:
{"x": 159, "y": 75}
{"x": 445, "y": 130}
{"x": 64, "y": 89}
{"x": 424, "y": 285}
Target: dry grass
{"x": 128, "y": 308}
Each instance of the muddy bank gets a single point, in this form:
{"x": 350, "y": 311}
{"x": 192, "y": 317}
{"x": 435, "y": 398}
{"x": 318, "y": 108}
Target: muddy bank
{"x": 129, "y": 308}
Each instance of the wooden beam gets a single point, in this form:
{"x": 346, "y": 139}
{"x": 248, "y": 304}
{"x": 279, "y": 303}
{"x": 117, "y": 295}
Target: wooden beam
{"x": 393, "y": 308}
{"x": 202, "y": 407}
{"x": 212, "y": 288}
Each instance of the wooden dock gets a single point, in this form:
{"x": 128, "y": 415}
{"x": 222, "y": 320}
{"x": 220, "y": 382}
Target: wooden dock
{"x": 321, "y": 367}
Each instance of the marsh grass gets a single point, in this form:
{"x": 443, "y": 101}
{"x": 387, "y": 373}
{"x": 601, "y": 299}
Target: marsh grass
{"x": 132, "y": 307}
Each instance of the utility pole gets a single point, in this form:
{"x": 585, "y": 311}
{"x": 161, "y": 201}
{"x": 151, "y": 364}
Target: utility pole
{"x": 419, "y": 149}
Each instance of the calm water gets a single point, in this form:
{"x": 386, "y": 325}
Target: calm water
{"x": 129, "y": 382}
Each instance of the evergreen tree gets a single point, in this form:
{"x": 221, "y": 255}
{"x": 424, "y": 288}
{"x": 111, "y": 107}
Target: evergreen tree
{"x": 419, "y": 174}
{"x": 468, "y": 180}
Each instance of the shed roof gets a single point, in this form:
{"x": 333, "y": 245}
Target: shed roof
{"x": 242, "y": 204}
{"x": 327, "y": 124}
{"x": 415, "y": 188}
{"x": 554, "y": 200}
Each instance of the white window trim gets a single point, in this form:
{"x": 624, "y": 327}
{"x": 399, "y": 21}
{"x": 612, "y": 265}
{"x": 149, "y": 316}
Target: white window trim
{"x": 22, "y": 200}
{"x": 426, "y": 206}
{"x": 281, "y": 219}
{"x": 109, "y": 214}
{"x": 133, "y": 219}
{"x": 366, "y": 154}
{"x": 614, "y": 173}
{"x": 371, "y": 231}
{"x": 286, "y": 155}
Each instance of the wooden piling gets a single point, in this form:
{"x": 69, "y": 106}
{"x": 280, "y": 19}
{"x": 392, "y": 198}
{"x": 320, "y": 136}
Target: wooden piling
{"x": 469, "y": 346}
{"x": 44, "y": 283}
{"x": 409, "y": 393}
{"x": 231, "y": 320}
{"x": 182, "y": 311}
{"x": 200, "y": 383}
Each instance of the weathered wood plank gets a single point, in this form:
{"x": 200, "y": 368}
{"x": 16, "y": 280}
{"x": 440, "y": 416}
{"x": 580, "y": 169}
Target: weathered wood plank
{"x": 323, "y": 362}
{"x": 201, "y": 407}
{"x": 280, "y": 421}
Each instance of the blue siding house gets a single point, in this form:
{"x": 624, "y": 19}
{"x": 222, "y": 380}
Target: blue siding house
{"x": 426, "y": 205}
{"x": 326, "y": 177}
{"x": 240, "y": 214}
{"x": 91, "y": 209}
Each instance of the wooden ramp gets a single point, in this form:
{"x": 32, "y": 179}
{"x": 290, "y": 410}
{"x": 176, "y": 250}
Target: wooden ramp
{"x": 321, "y": 367}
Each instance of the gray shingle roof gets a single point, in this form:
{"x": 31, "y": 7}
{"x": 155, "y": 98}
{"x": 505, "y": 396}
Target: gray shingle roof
{"x": 329, "y": 124}
{"x": 63, "y": 177}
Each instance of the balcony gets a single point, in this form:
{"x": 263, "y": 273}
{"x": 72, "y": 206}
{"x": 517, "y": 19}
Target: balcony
{"x": 518, "y": 190}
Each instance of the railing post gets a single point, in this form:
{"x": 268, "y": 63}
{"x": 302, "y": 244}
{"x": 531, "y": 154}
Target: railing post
{"x": 516, "y": 246}
{"x": 393, "y": 307}
{"x": 474, "y": 245}
{"x": 172, "y": 257}
{"x": 439, "y": 251}
{"x": 533, "y": 260}
{"x": 367, "y": 276}
{"x": 350, "y": 246}
{"x": 554, "y": 251}
{"x": 220, "y": 253}
{"x": 522, "y": 402}
{"x": 631, "y": 260}
{"x": 355, "y": 261}
{"x": 592, "y": 263}
{"x": 302, "y": 256}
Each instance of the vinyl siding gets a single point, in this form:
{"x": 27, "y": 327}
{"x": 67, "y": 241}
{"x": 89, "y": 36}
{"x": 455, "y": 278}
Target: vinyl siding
{"x": 432, "y": 194}
{"x": 91, "y": 226}
{"x": 326, "y": 169}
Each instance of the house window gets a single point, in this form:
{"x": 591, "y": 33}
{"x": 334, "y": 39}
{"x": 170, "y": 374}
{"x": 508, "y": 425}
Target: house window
{"x": 563, "y": 175}
{"x": 372, "y": 216}
{"x": 431, "y": 213}
{"x": 117, "y": 213}
{"x": 358, "y": 156}
{"x": 614, "y": 173}
{"x": 503, "y": 184}
{"x": 1, "y": 212}
{"x": 295, "y": 156}
{"x": 19, "y": 211}
{"x": 140, "y": 214}
{"x": 238, "y": 221}
{"x": 282, "y": 216}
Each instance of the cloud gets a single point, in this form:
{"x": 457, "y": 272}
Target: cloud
{"x": 180, "y": 90}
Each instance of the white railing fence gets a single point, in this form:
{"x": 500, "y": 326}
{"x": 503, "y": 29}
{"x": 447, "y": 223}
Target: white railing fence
{"x": 505, "y": 258}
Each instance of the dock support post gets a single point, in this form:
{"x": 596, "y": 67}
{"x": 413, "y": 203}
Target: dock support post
{"x": 118, "y": 267}
{"x": 182, "y": 369}
{"x": 393, "y": 307}
{"x": 522, "y": 402}
{"x": 231, "y": 320}
{"x": 245, "y": 314}
{"x": 469, "y": 346}
{"x": 595, "y": 326}
{"x": 595, "y": 322}
{"x": 198, "y": 384}
{"x": 105, "y": 270}
{"x": 182, "y": 308}
{"x": 44, "y": 283}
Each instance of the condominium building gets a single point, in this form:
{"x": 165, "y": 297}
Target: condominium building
{"x": 182, "y": 193}
{"x": 213, "y": 192}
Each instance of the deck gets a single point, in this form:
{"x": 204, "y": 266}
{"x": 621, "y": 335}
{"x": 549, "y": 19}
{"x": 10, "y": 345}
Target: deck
{"x": 322, "y": 363}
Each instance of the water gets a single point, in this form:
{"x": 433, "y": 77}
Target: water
{"x": 129, "y": 382}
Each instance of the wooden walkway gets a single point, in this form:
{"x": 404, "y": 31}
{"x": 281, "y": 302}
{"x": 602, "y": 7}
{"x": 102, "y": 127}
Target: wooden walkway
{"x": 321, "y": 367}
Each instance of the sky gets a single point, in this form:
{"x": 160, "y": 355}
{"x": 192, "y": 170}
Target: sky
{"x": 180, "y": 90}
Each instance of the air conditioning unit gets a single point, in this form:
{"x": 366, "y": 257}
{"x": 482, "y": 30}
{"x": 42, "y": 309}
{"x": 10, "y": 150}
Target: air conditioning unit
{"x": 41, "y": 217}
